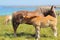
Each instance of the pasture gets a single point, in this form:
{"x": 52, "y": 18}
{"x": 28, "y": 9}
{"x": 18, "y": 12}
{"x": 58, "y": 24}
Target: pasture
{"x": 25, "y": 32}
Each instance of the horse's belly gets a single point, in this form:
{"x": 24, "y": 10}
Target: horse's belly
{"x": 45, "y": 24}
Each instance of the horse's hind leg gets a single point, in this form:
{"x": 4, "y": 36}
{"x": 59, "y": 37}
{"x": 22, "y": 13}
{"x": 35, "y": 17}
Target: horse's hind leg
{"x": 54, "y": 30}
{"x": 15, "y": 25}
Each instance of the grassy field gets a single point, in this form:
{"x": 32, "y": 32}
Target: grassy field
{"x": 25, "y": 32}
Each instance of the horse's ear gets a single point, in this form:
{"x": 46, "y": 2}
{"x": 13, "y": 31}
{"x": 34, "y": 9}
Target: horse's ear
{"x": 52, "y": 8}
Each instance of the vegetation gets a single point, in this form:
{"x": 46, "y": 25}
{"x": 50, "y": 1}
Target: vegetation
{"x": 25, "y": 32}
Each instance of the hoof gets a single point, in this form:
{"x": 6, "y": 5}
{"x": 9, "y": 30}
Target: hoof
{"x": 15, "y": 35}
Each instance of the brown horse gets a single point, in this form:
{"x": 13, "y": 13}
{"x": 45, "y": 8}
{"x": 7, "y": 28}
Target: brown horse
{"x": 38, "y": 19}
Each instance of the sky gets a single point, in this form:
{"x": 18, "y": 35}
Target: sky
{"x": 28, "y": 2}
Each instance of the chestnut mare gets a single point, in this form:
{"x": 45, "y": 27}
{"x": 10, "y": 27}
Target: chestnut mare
{"x": 39, "y": 19}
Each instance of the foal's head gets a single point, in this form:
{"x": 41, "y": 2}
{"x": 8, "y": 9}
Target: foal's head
{"x": 47, "y": 12}
{"x": 51, "y": 12}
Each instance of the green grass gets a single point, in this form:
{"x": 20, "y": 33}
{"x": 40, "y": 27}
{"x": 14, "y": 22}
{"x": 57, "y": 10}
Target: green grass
{"x": 25, "y": 32}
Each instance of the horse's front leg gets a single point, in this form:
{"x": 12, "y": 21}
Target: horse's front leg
{"x": 15, "y": 25}
{"x": 37, "y": 29}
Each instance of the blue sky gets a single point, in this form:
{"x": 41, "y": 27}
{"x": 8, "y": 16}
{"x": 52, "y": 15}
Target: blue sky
{"x": 28, "y": 2}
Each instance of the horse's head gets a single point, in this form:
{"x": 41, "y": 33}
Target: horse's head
{"x": 18, "y": 16}
{"x": 50, "y": 12}
{"x": 47, "y": 11}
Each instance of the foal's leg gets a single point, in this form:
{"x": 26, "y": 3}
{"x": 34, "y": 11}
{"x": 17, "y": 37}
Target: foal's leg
{"x": 54, "y": 30}
{"x": 6, "y": 21}
{"x": 37, "y": 29}
{"x": 15, "y": 25}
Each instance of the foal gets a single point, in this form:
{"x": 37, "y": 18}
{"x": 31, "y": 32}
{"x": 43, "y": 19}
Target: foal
{"x": 47, "y": 18}
{"x": 8, "y": 18}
